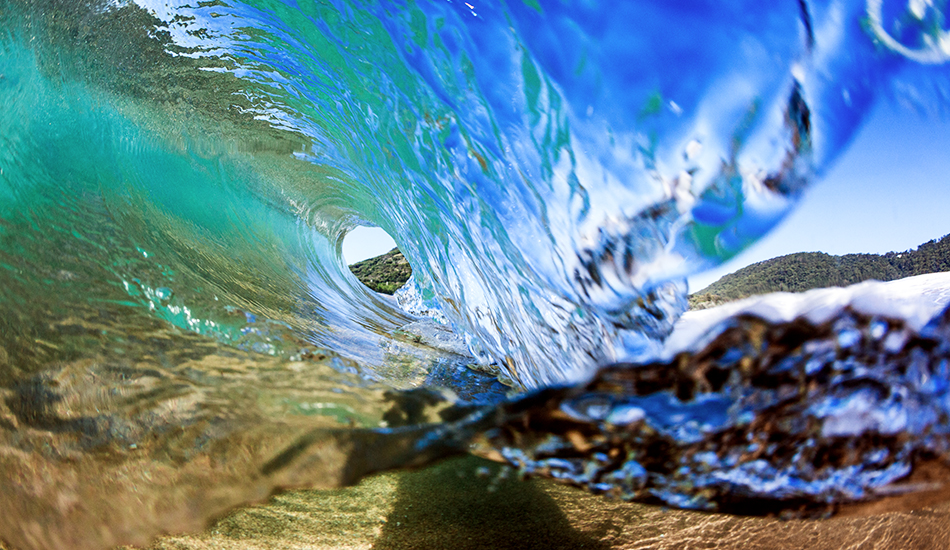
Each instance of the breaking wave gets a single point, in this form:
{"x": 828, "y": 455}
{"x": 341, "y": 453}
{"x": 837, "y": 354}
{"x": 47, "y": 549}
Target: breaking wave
{"x": 176, "y": 180}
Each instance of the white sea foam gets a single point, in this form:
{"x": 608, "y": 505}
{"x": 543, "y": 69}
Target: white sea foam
{"x": 915, "y": 300}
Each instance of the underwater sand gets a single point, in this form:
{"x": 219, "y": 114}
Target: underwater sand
{"x": 454, "y": 505}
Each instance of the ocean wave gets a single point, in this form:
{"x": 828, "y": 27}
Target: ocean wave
{"x": 176, "y": 181}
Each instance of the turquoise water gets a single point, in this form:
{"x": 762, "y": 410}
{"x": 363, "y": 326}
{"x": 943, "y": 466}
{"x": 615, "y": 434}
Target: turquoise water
{"x": 176, "y": 181}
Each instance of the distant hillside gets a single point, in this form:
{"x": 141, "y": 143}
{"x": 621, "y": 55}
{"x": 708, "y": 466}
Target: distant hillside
{"x": 807, "y": 270}
{"x": 386, "y": 273}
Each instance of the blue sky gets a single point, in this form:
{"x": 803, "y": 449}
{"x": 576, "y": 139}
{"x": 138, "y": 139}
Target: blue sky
{"x": 366, "y": 242}
{"x": 889, "y": 191}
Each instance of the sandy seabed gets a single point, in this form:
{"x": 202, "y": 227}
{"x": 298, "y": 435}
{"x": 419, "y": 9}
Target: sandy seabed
{"x": 468, "y": 503}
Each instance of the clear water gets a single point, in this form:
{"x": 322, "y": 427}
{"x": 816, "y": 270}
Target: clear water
{"x": 176, "y": 180}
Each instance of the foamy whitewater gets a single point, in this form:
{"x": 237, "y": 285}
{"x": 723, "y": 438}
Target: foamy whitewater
{"x": 179, "y": 333}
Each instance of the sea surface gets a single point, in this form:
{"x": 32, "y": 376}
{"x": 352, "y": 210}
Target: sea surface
{"x": 179, "y": 334}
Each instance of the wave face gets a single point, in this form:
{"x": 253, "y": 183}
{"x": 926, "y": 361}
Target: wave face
{"x": 176, "y": 180}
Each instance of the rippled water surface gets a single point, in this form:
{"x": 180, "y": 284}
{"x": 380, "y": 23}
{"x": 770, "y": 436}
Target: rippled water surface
{"x": 179, "y": 333}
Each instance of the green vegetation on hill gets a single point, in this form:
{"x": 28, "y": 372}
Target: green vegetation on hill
{"x": 386, "y": 273}
{"x": 807, "y": 270}
{"x": 792, "y": 273}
